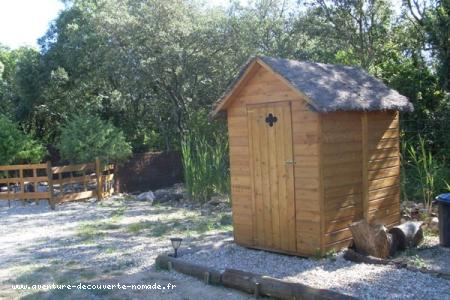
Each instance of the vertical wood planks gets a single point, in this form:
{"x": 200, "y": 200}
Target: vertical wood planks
{"x": 273, "y": 148}
{"x": 297, "y": 219}
{"x": 287, "y": 141}
{"x": 280, "y": 132}
{"x": 258, "y": 212}
{"x": 272, "y": 180}
{"x": 99, "y": 173}
{"x": 50, "y": 185}
{"x": 265, "y": 171}
{"x": 365, "y": 183}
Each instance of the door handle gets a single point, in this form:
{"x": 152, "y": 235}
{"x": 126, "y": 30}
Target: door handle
{"x": 290, "y": 162}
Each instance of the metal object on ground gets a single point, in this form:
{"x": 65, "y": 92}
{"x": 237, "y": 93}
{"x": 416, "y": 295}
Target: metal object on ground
{"x": 444, "y": 219}
{"x": 176, "y": 242}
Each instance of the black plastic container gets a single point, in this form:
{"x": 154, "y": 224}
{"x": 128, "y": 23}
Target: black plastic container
{"x": 444, "y": 219}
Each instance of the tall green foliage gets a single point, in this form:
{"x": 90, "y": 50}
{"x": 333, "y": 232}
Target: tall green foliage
{"x": 205, "y": 157}
{"x": 86, "y": 137}
{"x": 17, "y": 147}
{"x": 423, "y": 174}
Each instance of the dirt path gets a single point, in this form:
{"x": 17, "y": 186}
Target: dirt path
{"x": 115, "y": 241}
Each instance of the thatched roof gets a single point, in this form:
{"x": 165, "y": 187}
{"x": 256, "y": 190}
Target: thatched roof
{"x": 332, "y": 87}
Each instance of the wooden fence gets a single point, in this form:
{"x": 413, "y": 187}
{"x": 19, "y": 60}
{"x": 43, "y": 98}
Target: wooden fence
{"x": 56, "y": 184}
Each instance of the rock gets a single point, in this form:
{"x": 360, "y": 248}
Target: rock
{"x": 215, "y": 200}
{"x": 433, "y": 224}
{"x": 147, "y": 196}
{"x": 167, "y": 195}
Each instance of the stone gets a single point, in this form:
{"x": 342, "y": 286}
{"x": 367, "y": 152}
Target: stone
{"x": 167, "y": 195}
{"x": 147, "y": 196}
{"x": 433, "y": 225}
{"x": 215, "y": 200}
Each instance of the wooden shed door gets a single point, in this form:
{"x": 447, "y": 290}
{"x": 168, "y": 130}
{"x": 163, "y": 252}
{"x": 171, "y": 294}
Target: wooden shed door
{"x": 272, "y": 171}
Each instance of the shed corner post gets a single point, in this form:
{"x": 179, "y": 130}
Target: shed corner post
{"x": 116, "y": 178}
{"x": 365, "y": 163}
{"x": 98, "y": 177}
{"x": 51, "y": 201}
{"x": 321, "y": 190}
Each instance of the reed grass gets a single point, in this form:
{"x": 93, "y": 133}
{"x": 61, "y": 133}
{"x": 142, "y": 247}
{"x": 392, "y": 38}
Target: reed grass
{"x": 422, "y": 172}
{"x": 205, "y": 158}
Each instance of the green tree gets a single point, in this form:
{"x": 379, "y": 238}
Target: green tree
{"x": 17, "y": 147}
{"x": 349, "y": 32}
{"x": 433, "y": 19}
{"x": 86, "y": 137}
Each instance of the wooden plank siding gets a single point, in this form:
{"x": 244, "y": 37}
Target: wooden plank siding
{"x": 342, "y": 176}
{"x": 346, "y": 167}
{"x": 361, "y": 172}
{"x": 264, "y": 87}
{"x": 383, "y": 174}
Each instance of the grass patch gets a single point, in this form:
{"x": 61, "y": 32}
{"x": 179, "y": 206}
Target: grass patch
{"x": 137, "y": 227}
{"x": 110, "y": 250}
{"x": 214, "y": 222}
{"x": 226, "y": 220}
{"x": 54, "y": 272}
{"x": 160, "y": 229}
{"x": 121, "y": 265}
{"x": 55, "y": 262}
{"x": 72, "y": 263}
{"x": 430, "y": 233}
{"x": 118, "y": 212}
{"x": 204, "y": 226}
{"x": 33, "y": 275}
{"x": 89, "y": 231}
{"x": 418, "y": 262}
{"x": 184, "y": 226}
{"x": 331, "y": 254}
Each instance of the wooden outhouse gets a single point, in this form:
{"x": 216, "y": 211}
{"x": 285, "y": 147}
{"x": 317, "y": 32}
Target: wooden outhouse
{"x": 313, "y": 147}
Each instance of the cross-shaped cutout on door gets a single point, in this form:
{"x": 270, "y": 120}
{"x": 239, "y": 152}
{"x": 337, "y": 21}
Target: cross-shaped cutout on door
{"x": 271, "y": 119}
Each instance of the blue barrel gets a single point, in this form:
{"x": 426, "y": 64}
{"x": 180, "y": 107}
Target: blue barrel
{"x": 444, "y": 219}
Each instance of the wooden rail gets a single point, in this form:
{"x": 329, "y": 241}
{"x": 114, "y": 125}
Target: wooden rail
{"x": 56, "y": 184}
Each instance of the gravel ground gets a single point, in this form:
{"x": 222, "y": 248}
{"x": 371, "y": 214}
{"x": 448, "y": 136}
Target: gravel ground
{"x": 429, "y": 255}
{"x": 360, "y": 280}
{"x": 115, "y": 241}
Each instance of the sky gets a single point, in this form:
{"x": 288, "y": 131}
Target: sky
{"x": 22, "y": 22}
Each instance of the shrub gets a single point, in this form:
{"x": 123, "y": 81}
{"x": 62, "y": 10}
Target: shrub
{"x": 84, "y": 138}
{"x": 205, "y": 157}
{"x": 17, "y": 147}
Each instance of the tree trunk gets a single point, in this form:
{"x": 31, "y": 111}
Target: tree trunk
{"x": 371, "y": 239}
{"x": 406, "y": 235}
{"x": 375, "y": 240}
